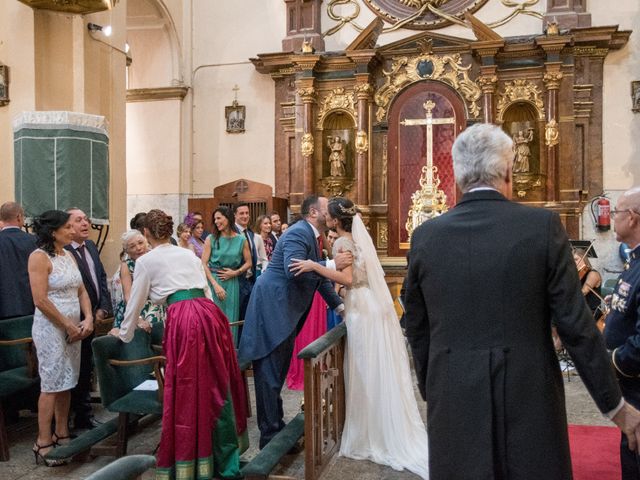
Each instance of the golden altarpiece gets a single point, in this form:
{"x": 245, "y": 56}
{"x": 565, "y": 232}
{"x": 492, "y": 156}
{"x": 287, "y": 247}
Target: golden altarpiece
{"x": 376, "y": 123}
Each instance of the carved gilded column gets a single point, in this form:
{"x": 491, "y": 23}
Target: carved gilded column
{"x": 488, "y": 82}
{"x": 307, "y": 94}
{"x": 363, "y": 96}
{"x": 552, "y": 80}
{"x": 487, "y": 50}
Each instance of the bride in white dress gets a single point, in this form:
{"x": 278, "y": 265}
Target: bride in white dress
{"x": 382, "y": 421}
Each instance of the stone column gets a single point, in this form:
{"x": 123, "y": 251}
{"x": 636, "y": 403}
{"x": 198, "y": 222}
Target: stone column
{"x": 363, "y": 95}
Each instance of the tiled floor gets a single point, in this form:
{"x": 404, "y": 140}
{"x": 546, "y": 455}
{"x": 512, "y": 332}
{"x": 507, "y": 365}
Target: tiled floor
{"x": 580, "y": 408}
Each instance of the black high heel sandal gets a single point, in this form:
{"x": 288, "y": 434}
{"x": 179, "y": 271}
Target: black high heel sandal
{"x": 38, "y": 456}
{"x": 56, "y": 439}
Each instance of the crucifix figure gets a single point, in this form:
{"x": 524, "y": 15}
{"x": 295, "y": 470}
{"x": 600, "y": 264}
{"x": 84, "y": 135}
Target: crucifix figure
{"x": 429, "y": 201}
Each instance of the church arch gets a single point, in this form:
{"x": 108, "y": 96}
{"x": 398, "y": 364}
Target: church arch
{"x": 155, "y": 46}
{"x": 409, "y": 148}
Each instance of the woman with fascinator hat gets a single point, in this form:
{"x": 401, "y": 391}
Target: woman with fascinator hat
{"x": 382, "y": 421}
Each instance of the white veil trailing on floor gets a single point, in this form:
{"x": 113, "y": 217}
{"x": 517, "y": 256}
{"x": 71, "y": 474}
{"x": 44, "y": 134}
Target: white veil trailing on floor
{"x": 368, "y": 255}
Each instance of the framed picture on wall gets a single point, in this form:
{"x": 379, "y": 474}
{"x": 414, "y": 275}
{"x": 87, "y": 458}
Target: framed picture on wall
{"x": 235, "y": 116}
{"x": 635, "y": 96}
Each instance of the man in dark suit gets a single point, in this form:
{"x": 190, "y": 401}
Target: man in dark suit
{"x": 486, "y": 282}
{"x": 276, "y": 225}
{"x": 95, "y": 281}
{"x": 15, "y": 248}
{"x": 622, "y": 326}
{"x": 278, "y": 308}
{"x": 246, "y": 282}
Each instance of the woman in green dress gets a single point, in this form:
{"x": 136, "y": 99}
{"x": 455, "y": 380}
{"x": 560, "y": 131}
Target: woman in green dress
{"x": 226, "y": 256}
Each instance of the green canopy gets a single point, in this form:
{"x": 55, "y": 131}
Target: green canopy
{"x": 62, "y": 161}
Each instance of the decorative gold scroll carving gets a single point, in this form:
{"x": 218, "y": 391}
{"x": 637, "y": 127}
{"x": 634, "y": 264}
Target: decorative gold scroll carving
{"x": 337, "y": 99}
{"x": 82, "y": 7}
{"x": 306, "y": 145}
{"x": 551, "y": 133}
{"x": 362, "y": 142}
{"x": 336, "y": 186}
{"x": 519, "y": 90}
{"x": 447, "y": 69}
{"x": 552, "y": 80}
{"x": 307, "y": 94}
{"x": 487, "y": 83}
{"x": 415, "y": 20}
{"x": 383, "y": 234}
{"x": 590, "y": 52}
{"x": 363, "y": 90}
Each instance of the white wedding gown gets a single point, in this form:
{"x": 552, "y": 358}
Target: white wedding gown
{"x": 382, "y": 421}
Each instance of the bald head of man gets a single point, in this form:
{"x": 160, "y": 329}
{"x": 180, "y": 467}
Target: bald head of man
{"x": 12, "y": 215}
{"x": 626, "y": 219}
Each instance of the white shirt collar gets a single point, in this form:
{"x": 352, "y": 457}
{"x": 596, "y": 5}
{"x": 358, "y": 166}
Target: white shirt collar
{"x": 480, "y": 189}
{"x": 76, "y": 245}
{"x": 316, "y": 233}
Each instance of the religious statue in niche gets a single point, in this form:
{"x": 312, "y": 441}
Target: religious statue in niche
{"x": 337, "y": 157}
{"x": 521, "y": 140}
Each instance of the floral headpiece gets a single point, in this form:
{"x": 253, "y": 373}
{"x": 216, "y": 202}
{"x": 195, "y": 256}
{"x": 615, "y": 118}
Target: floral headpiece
{"x": 350, "y": 211}
{"x": 189, "y": 219}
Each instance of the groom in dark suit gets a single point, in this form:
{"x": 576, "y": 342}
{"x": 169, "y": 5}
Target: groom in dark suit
{"x": 486, "y": 282}
{"x": 95, "y": 281}
{"x": 277, "y": 309}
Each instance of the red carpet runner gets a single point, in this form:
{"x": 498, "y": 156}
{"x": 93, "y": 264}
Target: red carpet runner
{"x": 595, "y": 452}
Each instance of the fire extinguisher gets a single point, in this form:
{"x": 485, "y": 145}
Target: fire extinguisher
{"x": 601, "y": 212}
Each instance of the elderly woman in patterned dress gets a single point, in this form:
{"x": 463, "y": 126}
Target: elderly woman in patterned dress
{"x": 58, "y": 295}
{"x": 134, "y": 245}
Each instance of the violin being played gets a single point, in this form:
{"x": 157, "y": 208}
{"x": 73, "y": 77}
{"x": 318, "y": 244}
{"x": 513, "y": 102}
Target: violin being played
{"x": 590, "y": 280}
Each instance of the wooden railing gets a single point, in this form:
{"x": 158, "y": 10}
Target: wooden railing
{"x": 324, "y": 399}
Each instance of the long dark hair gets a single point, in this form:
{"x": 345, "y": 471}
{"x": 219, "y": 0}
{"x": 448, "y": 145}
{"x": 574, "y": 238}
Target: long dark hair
{"x": 226, "y": 211}
{"x": 44, "y": 226}
{"x": 343, "y": 209}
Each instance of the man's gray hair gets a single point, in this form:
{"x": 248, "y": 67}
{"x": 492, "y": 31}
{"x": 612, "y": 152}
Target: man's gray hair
{"x": 481, "y": 156}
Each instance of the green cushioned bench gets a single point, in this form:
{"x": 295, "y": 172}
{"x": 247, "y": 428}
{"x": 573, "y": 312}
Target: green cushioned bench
{"x": 125, "y": 468}
{"x": 265, "y": 461}
{"x": 84, "y": 442}
{"x": 18, "y": 368}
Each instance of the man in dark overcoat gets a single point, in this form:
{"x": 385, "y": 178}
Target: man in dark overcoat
{"x": 486, "y": 281}
{"x": 622, "y": 325}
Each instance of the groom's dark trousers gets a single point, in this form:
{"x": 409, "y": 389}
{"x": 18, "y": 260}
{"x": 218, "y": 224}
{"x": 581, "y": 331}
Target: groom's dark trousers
{"x": 270, "y": 373}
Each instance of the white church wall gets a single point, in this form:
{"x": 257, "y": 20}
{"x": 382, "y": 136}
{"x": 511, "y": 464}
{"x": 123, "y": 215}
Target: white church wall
{"x": 16, "y": 51}
{"x": 153, "y": 153}
{"x": 224, "y": 39}
{"x": 621, "y": 126}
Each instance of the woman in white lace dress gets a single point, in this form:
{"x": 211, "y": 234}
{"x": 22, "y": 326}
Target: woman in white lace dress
{"x": 382, "y": 422}
{"x": 58, "y": 294}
